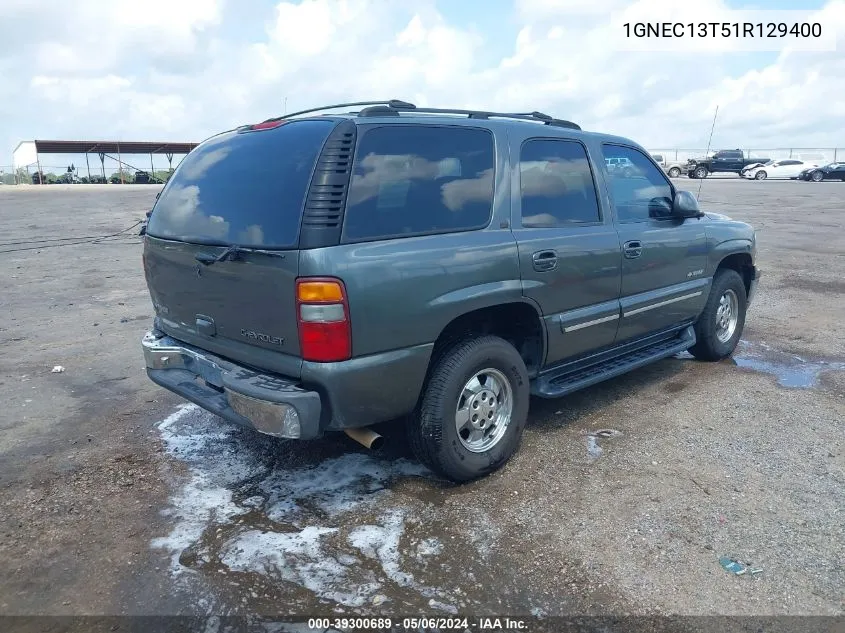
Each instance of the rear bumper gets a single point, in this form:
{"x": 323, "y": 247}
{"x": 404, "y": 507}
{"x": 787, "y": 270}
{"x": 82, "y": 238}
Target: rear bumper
{"x": 265, "y": 402}
{"x": 327, "y": 397}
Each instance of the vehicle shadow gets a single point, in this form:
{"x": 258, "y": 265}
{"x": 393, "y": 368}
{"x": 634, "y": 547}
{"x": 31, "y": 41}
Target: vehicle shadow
{"x": 554, "y": 413}
{"x": 547, "y": 414}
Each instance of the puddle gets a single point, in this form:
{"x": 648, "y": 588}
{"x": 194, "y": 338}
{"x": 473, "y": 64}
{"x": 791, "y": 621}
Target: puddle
{"x": 791, "y": 370}
{"x": 264, "y": 521}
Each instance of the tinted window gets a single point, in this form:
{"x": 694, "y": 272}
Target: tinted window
{"x": 729, "y": 154}
{"x": 639, "y": 190}
{"x": 415, "y": 179}
{"x": 556, "y": 184}
{"x": 658, "y": 157}
{"x": 242, "y": 188}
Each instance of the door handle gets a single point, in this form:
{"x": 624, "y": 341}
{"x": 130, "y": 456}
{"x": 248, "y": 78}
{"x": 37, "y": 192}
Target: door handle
{"x": 632, "y": 249}
{"x": 544, "y": 260}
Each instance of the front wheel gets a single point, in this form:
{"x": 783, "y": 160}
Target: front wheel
{"x": 817, "y": 176}
{"x": 719, "y": 327}
{"x": 700, "y": 172}
{"x": 760, "y": 175}
{"x": 675, "y": 172}
{"x": 473, "y": 410}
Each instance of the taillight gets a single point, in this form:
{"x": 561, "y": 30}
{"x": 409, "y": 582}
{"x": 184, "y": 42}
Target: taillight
{"x": 322, "y": 314}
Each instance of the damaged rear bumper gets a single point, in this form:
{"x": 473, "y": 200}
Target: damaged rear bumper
{"x": 265, "y": 402}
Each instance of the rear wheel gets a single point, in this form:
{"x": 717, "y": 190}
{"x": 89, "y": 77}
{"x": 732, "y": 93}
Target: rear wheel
{"x": 760, "y": 175}
{"x": 473, "y": 410}
{"x": 720, "y": 325}
{"x": 674, "y": 172}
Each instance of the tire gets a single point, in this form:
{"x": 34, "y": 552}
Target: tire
{"x": 674, "y": 172}
{"x": 712, "y": 342}
{"x": 817, "y": 176}
{"x": 700, "y": 172}
{"x": 761, "y": 175}
{"x": 433, "y": 430}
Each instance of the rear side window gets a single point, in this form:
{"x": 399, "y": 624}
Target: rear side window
{"x": 418, "y": 179}
{"x": 246, "y": 189}
{"x": 556, "y": 184}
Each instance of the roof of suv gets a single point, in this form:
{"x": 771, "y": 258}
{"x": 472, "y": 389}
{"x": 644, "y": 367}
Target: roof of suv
{"x": 395, "y": 111}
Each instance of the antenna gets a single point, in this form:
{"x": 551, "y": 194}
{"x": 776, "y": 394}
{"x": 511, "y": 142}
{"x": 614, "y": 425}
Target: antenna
{"x": 712, "y": 127}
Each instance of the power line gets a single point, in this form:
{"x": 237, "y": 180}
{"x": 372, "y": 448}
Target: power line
{"x": 87, "y": 240}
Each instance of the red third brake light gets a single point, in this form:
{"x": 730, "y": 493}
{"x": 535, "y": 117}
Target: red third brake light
{"x": 322, "y": 314}
{"x": 267, "y": 125}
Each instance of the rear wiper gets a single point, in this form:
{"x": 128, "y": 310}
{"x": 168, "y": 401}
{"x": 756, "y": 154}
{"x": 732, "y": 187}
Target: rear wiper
{"x": 233, "y": 253}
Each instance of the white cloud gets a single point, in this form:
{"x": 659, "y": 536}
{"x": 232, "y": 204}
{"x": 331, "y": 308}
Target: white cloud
{"x": 176, "y": 70}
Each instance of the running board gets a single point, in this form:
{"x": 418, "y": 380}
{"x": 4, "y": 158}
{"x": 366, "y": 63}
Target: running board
{"x": 568, "y": 378}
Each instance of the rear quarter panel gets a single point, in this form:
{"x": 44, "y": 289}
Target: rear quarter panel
{"x": 403, "y": 292}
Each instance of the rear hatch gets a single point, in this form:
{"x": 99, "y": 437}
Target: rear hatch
{"x": 221, "y": 257}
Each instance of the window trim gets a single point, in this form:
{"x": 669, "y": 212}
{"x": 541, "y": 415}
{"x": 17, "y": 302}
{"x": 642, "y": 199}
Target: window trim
{"x": 659, "y": 171}
{"x": 572, "y": 225}
{"x": 365, "y": 129}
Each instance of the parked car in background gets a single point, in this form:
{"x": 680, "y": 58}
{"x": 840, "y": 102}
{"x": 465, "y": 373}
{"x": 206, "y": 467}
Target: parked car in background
{"x": 723, "y": 161}
{"x": 621, "y": 166}
{"x": 782, "y": 169}
{"x": 748, "y": 168}
{"x": 674, "y": 168}
{"x": 831, "y": 171}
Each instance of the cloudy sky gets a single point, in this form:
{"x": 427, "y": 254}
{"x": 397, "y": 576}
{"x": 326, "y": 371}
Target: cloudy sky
{"x": 182, "y": 70}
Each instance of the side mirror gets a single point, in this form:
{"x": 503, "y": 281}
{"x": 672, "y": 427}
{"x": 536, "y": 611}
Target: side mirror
{"x": 685, "y": 205}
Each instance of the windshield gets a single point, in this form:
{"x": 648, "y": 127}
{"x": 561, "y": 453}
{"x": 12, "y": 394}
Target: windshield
{"x": 242, "y": 188}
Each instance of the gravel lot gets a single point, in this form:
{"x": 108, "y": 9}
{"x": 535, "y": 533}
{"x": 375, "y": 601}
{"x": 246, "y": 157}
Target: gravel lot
{"x": 105, "y": 476}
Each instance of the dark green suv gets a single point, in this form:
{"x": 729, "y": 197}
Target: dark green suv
{"x": 327, "y": 272}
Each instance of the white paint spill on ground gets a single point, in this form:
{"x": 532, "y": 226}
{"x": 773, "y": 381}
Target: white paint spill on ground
{"x": 594, "y": 451}
{"x": 381, "y": 542}
{"x": 315, "y": 526}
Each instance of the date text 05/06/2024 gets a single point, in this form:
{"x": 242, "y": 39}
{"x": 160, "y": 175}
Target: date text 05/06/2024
{"x": 455, "y": 623}
{"x": 762, "y": 30}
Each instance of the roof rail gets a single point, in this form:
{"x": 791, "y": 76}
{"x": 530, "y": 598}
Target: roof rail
{"x": 388, "y": 109}
{"x": 392, "y": 103}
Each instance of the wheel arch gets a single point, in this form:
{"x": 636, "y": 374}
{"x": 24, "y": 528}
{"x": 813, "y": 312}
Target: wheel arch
{"x": 519, "y": 322}
{"x": 742, "y": 263}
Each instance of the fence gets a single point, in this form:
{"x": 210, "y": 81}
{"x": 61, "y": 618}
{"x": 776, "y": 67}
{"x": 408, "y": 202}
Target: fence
{"x": 59, "y": 173}
{"x": 819, "y": 155}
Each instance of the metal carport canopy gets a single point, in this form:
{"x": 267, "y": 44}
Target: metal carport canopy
{"x": 112, "y": 147}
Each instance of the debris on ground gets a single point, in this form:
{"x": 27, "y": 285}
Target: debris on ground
{"x": 593, "y": 449}
{"x": 733, "y": 566}
{"x": 57, "y": 369}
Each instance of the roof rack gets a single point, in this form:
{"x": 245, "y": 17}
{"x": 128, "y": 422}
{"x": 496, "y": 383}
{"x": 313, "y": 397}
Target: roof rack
{"x": 392, "y": 107}
{"x": 388, "y": 109}
{"x": 395, "y": 104}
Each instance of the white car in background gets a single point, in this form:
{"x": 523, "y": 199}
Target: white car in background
{"x": 786, "y": 168}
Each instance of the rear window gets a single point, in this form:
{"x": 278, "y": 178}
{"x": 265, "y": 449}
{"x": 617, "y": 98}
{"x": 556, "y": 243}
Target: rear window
{"x": 419, "y": 179}
{"x": 246, "y": 189}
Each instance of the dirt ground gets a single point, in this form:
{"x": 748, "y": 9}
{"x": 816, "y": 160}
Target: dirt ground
{"x": 116, "y": 498}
